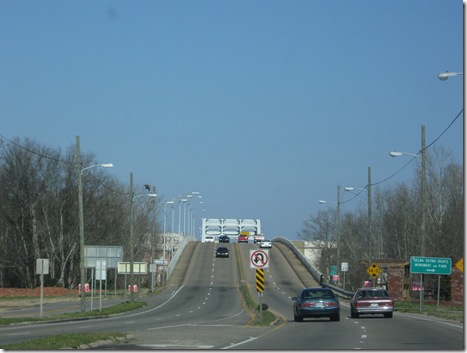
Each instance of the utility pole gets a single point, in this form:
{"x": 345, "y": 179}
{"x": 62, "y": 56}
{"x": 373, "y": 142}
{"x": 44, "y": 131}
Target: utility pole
{"x": 338, "y": 228}
{"x": 370, "y": 237}
{"x": 422, "y": 199}
{"x": 132, "y": 275}
{"x": 81, "y": 226}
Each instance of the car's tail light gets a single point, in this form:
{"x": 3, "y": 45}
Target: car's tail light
{"x": 308, "y": 305}
{"x": 389, "y": 303}
{"x": 331, "y": 304}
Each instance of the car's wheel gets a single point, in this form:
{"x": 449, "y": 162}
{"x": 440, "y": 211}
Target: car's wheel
{"x": 388, "y": 315}
{"x": 335, "y": 317}
{"x": 297, "y": 318}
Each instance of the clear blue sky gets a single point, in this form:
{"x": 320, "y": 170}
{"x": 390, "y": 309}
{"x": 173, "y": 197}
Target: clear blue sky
{"x": 263, "y": 107}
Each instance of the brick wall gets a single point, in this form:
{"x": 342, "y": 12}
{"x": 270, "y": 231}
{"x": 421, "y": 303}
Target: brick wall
{"x": 457, "y": 286}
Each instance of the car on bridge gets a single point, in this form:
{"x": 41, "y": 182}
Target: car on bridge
{"x": 370, "y": 300}
{"x": 222, "y": 251}
{"x": 224, "y": 239}
{"x": 242, "y": 238}
{"x": 316, "y": 303}
{"x": 265, "y": 244}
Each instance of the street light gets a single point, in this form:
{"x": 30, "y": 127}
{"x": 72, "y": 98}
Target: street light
{"x": 421, "y": 154}
{"x": 133, "y": 197}
{"x": 165, "y": 222}
{"x": 368, "y": 190}
{"x": 423, "y": 191}
{"x": 398, "y": 154}
{"x": 445, "y": 75}
{"x": 81, "y": 218}
{"x": 338, "y": 203}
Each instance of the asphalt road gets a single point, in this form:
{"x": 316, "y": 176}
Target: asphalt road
{"x": 202, "y": 309}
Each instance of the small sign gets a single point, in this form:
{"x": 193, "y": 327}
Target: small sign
{"x": 42, "y": 266}
{"x": 101, "y": 270}
{"x": 139, "y": 268}
{"x": 259, "y": 259}
{"x": 344, "y": 266}
{"x": 374, "y": 270}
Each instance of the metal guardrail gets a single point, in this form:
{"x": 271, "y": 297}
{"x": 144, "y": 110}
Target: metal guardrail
{"x": 317, "y": 275}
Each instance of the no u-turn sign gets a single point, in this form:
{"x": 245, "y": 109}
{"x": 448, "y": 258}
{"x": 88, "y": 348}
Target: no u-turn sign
{"x": 259, "y": 259}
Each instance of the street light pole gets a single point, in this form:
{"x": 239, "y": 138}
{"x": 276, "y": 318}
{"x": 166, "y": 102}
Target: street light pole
{"x": 369, "y": 226}
{"x": 338, "y": 226}
{"x": 132, "y": 199}
{"x": 422, "y": 198}
{"x": 165, "y": 223}
{"x": 154, "y": 240}
{"x": 421, "y": 154}
{"x": 81, "y": 219}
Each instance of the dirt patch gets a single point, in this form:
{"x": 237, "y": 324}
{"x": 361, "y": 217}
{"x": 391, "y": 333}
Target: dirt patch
{"x": 27, "y": 297}
{"x": 36, "y": 292}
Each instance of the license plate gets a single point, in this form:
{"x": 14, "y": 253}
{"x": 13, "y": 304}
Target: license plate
{"x": 319, "y": 305}
{"x": 373, "y": 305}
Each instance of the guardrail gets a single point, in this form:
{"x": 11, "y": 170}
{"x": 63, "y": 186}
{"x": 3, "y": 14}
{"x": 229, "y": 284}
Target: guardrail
{"x": 173, "y": 262}
{"x": 317, "y": 275}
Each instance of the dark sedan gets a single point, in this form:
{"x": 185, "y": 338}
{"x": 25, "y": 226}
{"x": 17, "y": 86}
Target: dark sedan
{"x": 224, "y": 239}
{"x": 371, "y": 301}
{"x": 222, "y": 252}
{"x": 315, "y": 303}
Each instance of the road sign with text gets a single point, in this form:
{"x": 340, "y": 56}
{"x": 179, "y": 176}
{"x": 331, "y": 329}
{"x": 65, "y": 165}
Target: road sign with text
{"x": 430, "y": 265}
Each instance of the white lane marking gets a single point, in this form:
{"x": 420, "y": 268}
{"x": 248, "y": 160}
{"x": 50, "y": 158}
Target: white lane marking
{"x": 182, "y": 346}
{"x": 18, "y": 334}
{"x": 232, "y": 345}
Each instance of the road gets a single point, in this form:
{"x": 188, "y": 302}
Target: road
{"x": 202, "y": 309}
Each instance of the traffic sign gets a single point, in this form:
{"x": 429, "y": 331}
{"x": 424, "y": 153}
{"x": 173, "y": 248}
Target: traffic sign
{"x": 430, "y": 265}
{"x": 460, "y": 265}
{"x": 259, "y": 258}
{"x": 374, "y": 270}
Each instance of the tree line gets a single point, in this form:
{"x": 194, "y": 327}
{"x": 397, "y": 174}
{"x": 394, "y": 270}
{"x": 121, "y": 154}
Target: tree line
{"x": 396, "y": 231}
{"x": 39, "y": 213}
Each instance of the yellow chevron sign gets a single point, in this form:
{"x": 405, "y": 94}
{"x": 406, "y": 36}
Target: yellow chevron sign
{"x": 260, "y": 280}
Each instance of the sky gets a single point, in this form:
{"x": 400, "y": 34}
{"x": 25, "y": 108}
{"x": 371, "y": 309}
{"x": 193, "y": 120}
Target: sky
{"x": 263, "y": 107}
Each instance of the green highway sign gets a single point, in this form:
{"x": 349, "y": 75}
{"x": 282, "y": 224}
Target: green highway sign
{"x": 430, "y": 265}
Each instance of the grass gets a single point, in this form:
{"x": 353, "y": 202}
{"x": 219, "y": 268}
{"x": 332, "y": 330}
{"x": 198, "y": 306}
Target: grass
{"x": 113, "y": 310}
{"x": 267, "y": 317}
{"x": 64, "y": 341}
{"x": 71, "y": 340}
{"x": 445, "y": 311}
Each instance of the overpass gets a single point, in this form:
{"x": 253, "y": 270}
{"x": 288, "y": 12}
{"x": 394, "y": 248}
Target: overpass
{"x": 229, "y": 226}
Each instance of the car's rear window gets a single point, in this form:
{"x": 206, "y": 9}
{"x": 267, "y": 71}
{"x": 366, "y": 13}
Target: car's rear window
{"x": 317, "y": 294}
{"x": 373, "y": 294}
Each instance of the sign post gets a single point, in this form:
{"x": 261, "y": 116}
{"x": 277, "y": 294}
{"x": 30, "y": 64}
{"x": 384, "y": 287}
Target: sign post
{"x": 259, "y": 259}
{"x": 432, "y": 266}
{"x": 42, "y": 268}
